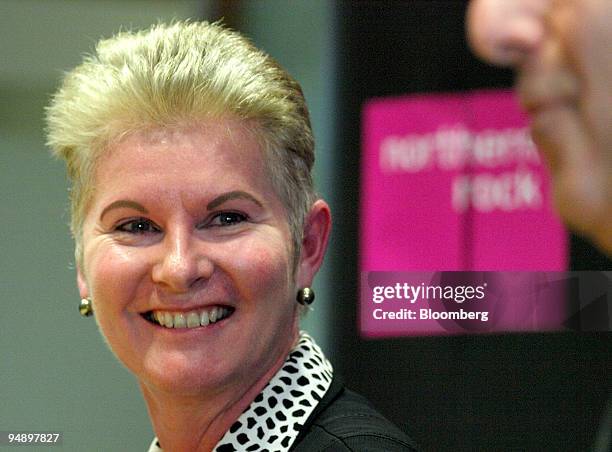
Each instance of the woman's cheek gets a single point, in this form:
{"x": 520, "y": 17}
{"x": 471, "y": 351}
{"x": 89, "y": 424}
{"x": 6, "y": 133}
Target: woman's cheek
{"x": 264, "y": 265}
{"x": 115, "y": 273}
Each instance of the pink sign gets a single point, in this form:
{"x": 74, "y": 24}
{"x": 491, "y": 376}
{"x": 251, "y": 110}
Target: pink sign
{"x": 454, "y": 182}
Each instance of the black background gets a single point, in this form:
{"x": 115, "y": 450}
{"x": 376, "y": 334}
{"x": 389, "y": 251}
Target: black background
{"x": 492, "y": 392}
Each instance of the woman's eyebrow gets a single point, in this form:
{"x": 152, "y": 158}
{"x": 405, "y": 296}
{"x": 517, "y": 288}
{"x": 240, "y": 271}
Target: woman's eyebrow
{"x": 238, "y": 194}
{"x": 123, "y": 203}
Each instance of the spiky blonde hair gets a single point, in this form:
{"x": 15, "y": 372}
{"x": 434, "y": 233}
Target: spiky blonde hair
{"x": 173, "y": 74}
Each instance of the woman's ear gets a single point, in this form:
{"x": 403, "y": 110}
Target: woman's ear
{"x": 317, "y": 227}
{"x": 81, "y": 283}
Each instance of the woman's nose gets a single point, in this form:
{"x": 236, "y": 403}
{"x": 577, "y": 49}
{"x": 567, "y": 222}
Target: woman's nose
{"x": 506, "y": 32}
{"x": 182, "y": 263}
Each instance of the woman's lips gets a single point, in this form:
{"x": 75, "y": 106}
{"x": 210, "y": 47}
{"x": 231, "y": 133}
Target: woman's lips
{"x": 189, "y": 319}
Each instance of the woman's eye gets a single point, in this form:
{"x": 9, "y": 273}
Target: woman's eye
{"x": 228, "y": 219}
{"x": 138, "y": 226}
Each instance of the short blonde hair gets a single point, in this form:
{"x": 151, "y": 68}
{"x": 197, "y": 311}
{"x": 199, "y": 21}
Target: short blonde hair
{"x": 177, "y": 73}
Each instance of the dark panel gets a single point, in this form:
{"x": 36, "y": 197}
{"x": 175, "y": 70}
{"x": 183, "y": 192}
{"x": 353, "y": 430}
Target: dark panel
{"x": 504, "y": 392}
{"x": 584, "y": 255}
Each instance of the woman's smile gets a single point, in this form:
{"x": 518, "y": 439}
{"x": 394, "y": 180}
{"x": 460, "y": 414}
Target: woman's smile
{"x": 189, "y": 319}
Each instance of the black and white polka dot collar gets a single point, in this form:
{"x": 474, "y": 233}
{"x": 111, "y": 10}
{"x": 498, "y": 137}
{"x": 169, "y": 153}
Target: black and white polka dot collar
{"x": 274, "y": 419}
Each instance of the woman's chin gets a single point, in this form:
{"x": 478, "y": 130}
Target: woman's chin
{"x": 178, "y": 374}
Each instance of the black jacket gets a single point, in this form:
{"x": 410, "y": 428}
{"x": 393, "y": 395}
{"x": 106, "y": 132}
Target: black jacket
{"x": 344, "y": 421}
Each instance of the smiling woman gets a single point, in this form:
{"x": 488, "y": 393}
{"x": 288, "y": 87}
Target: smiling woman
{"x": 164, "y": 236}
{"x": 196, "y": 224}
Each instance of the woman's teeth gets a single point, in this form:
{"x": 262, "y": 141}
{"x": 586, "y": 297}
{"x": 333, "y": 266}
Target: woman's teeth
{"x": 191, "y": 319}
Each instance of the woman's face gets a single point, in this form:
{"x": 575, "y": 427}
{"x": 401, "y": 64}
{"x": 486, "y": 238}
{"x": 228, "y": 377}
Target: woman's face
{"x": 185, "y": 228}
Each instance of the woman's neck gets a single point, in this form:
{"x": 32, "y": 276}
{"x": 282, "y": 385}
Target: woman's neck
{"x": 198, "y": 423}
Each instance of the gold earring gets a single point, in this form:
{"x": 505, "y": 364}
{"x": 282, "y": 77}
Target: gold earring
{"x": 305, "y": 296}
{"x": 85, "y": 307}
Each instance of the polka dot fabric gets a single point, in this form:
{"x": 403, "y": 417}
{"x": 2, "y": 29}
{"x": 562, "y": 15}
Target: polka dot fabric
{"x": 274, "y": 419}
